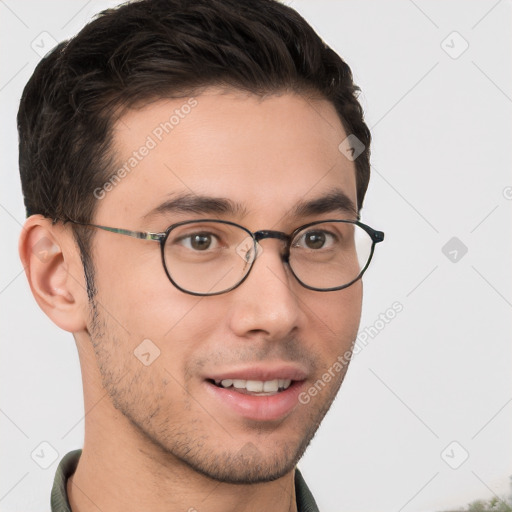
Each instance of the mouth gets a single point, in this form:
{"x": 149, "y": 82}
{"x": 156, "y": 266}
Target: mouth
{"x": 262, "y": 393}
{"x": 254, "y": 387}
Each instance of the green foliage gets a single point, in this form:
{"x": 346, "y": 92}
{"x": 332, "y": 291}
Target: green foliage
{"x": 477, "y": 506}
{"x": 495, "y": 504}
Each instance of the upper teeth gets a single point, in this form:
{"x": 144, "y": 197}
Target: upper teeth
{"x": 256, "y": 386}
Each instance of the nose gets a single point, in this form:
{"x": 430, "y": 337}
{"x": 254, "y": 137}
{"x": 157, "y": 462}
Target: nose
{"x": 266, "y": 303}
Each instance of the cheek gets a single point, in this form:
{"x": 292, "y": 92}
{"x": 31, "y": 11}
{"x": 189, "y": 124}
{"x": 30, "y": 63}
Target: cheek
{"x": 142, "y": 304}
{"x": 132, "y": 284}
{"x": 334, "y": 318}
{"x": 341, "y": 309}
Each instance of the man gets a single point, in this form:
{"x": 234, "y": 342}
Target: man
{"x": 193, "y": 175}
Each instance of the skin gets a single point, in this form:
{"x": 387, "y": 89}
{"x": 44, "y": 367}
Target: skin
{"x": 154, "y": 439}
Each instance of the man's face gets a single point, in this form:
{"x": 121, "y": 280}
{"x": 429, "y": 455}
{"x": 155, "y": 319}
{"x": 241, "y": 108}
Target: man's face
{"x": 265, "y": 155}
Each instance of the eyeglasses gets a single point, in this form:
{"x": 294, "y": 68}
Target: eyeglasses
{"x": 210, "y": 257}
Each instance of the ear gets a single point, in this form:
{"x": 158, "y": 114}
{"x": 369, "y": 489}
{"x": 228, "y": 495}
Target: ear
{"x": 51, "y": 260}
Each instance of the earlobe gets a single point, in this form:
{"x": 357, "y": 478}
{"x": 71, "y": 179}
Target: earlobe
{"x": 49, "y": 258}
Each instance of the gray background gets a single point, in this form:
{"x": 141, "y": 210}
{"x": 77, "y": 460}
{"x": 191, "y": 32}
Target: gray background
{"x": 431, "y": 387}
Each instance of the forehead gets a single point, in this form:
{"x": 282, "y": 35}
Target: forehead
{"x": 264, "y": 153}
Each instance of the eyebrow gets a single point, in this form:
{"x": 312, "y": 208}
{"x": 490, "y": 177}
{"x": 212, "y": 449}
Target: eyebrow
{"x": 334, "y": 201}
{"x": 198, "y": 204}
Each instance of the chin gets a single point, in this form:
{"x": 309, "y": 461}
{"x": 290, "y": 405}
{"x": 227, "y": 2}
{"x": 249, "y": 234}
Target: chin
{"x": 256, "y": 462}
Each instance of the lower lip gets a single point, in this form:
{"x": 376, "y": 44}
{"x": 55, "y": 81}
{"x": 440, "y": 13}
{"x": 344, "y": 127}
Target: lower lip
{"x": 259, "y": 408}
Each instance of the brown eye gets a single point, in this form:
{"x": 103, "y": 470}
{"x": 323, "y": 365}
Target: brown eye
{"x": 200, "y": 242}
{"x": 314, "y": 239}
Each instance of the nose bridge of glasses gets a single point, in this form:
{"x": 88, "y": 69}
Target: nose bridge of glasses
{"x": 277, "y": 235}
{"x": 268, "y": 233}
